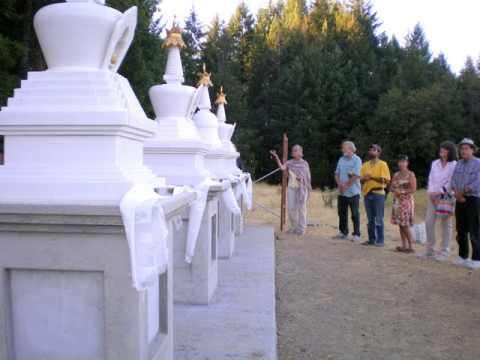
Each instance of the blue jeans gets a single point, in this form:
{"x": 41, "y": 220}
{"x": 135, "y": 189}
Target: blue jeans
{"x": 375, "y": 208}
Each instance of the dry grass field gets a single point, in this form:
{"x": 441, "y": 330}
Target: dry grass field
{"x": 340, "y": 300}
{"x": 319, "y": 211}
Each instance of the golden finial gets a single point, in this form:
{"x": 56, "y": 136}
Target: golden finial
{"x": 113, "y": 59}
{"x": 174, "y": 37}
{"x": 204, "y": 78}
{"x": 221, "y": 97}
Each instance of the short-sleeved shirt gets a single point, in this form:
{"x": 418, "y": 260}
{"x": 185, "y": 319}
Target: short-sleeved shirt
{"x": 379, "y": 170}
{"x": 346, "y": 168}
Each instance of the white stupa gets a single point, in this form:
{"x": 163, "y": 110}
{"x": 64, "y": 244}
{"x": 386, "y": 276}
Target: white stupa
{"x": 74, "y": 133}
{"x": 225, "y": 133}
{"x": 207, "y": 125}
{"x": 177, "y": 150}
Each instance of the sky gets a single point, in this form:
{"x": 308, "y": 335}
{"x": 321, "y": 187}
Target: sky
{"x": 451, "y": 27}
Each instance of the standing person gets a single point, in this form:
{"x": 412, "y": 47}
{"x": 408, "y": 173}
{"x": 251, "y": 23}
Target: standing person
{"x": 404, "y": 185}
{"x": 375, "y": 176}
{"x": 439, "y": 179}
{"x": 466, "y": 188}
{"x": 239, "y": 162}
{"x": 347, "y": 177}
{"x": 298, "y": 190}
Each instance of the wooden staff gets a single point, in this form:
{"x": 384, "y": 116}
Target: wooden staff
{"x": 283, "y": 205}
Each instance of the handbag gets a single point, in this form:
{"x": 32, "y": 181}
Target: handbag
{"x": 446, "y": 205}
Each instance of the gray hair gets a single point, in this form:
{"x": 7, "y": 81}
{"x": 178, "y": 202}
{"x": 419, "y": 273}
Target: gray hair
{"x": 350, "y": 144}
{"x": 299, "y": 149}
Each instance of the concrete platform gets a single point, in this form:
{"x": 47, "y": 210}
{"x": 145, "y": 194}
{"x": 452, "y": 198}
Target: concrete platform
{"x": 240, "y": 322}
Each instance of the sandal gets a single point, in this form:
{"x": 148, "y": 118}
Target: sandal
{"x": 400, "y": 249}
{"x": 408, "y": 251}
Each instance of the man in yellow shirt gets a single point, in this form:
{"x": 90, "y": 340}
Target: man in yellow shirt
{"x": 375, "y": 176}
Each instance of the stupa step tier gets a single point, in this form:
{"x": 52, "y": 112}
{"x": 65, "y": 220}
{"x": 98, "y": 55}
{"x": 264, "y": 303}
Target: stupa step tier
{"x": 86, "y": 130}
{"x": 86, "y": 90}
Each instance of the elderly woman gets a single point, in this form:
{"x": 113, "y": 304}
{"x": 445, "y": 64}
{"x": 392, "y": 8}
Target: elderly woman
{"x": 439, "y": 180}
{"x": 404, "y": 185}
{"x": 298, "y": 190}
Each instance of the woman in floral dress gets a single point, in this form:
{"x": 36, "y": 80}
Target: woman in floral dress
{"x": 404, "y": 185}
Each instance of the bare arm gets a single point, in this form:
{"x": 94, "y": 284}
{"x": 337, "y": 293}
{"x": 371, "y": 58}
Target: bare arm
{"x": 413, "y": 184}
{"x": 275, "y": 156}
{"x": 337, "y": 179}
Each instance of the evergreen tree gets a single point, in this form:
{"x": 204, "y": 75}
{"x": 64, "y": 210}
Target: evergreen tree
{"x": 469, "y": 82}
{"x": 321, "y": 18}
{"x": 262, "y": 74}
{"x": 240, "y": 32}
{"x": 414, "y": 66}
{"x": 390, "y": 55}
{"x": 293, "y": 28}
{"x": 310, "y": 104}
{"x": 193, "y": 35}
{"x": 213, "y": 52}
{"x": 416, "y": 123}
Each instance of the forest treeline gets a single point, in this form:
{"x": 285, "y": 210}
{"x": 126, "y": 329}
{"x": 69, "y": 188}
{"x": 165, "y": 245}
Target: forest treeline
{"x": 319, "y": 71}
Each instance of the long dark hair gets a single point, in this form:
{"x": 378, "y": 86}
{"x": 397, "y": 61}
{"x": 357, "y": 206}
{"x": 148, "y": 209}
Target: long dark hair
{"x": 452, "y": 150}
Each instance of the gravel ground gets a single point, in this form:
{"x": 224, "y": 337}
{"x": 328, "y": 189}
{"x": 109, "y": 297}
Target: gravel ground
{"x": 341, "y": 300}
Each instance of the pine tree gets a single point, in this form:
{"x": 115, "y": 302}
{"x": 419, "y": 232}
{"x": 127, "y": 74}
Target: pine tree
{"x": 415, "y": 123}
{"x": 390, "y": 54}
{"x": 213, "y": 51}
{"x": 469, "y": 82}
{"x": 414, "y": 66}
{"x": 240, "y": 32}
{"x": 193, "y": 35}
{"x": 310, "y": 103}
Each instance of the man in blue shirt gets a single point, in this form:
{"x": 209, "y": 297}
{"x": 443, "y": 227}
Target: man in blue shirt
{"x": 466, "y": 187}
{"x": 347, "y": 177}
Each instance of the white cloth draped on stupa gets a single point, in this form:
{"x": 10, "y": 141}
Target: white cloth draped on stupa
{"x": 146, "y": 232}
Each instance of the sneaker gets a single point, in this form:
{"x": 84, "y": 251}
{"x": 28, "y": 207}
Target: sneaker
{"x": 291, "y": 231}
{"x": 441, "y": 257}
{"x": 355, "y": 238}
{"x": 300, "y": 232}
{"x": 474, "y": 264}
{"x": 340, "y": 236}
{"x": 461, "y": 261}
{"x": 425, "y": 255}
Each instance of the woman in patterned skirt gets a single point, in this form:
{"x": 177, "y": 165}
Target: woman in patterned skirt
{"x": 404, "y": 185}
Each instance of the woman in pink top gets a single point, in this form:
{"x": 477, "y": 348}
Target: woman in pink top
{"x": 440, "y": 174}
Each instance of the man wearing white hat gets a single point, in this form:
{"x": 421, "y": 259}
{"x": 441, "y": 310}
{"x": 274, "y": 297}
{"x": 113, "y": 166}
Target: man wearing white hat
{"x": 466, "y": 187}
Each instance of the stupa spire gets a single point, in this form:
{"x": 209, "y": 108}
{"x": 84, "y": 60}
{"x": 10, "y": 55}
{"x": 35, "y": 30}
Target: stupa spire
{"x": 221, "y": 102}
{"x": 174, "y": 42}
{"x": 174, "y": 36}
{"x": 204, "y": 78}
{"x": 221, "y": 97}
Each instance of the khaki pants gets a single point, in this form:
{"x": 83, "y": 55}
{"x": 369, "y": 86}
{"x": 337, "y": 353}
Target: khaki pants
{"x": 430, "y": 220}
{"x": 297, "y": 211}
